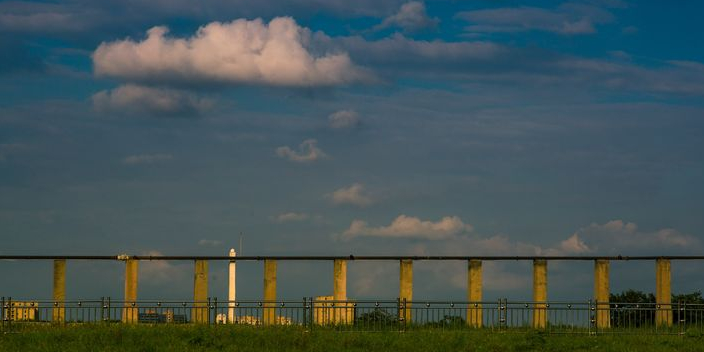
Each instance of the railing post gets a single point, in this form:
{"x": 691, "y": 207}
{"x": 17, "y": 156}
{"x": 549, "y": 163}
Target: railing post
{"x": 102, "y": 309}
{"x": 503, "y": 320}
{"x": 663, "y": 298}
{"x": 311, "y": 312}
{"x": 10, "y": 316}
{"x": 109, "y": 308}
{"x": 399, "y": 312}
{"x": 210, "y": 310}
{"x": 7, "y": 311}
{"x": 681, "y": 316}
{"x": 406, "y": 313}
{"x": 591, "y": 315}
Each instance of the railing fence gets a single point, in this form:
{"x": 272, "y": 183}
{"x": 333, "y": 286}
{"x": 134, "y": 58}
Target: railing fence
{"x": 371, "y": 315}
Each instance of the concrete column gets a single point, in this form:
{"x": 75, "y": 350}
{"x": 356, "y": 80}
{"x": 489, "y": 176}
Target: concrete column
{"x": 474, "y": 293}
{"x": 130, "y": 312}
{"x": 601, "y": 293}
{"x": 663, "y": 293}
{"x": 269, "y": 313}
{"x": 540, "y": 293}
{"x": 59, "y": 311}
{"x": 232, "y": 288}
{"x": 199, "y": 312}
{"x": 342, "y": 314}
{"x": 406, "y": 287}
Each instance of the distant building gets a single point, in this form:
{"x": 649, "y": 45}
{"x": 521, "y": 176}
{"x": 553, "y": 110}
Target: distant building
{"x": 22, "y": 311}
{"x": 328, "y": 312}
{"x": 153, "y": 317}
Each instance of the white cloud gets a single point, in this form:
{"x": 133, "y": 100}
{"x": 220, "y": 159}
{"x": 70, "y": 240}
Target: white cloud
{"x": 343, "y": 119}
{"x": 146, "y": 159}
{"x": 354, "y": 194}
{"x": 573, "y": 245}
{"x": 615, "y": 237}
{"x": 154, "y": 101}
{"x": 411, "y": 227}
{"x": 240, "y": 51}
{"x": 411, "y": 17}
{"x": 292, "y": 217}
{"x": 308, "y": 151}
{"x": 620, "y": 237}
{"x": 505, "y": 275}
{"x": 209, "y": 243}
{"x": 153, "y": 272}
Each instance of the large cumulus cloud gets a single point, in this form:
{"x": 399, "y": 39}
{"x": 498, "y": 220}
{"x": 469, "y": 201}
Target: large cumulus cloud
{"x": 241, "y": 51}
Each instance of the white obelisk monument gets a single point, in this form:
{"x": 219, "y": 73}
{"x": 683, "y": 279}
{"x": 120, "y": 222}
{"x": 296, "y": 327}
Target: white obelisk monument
{"x": 232, "y": 288}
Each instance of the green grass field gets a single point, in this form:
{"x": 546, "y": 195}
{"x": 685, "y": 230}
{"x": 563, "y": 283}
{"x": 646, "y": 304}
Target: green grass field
{"x": 125, "y": 338}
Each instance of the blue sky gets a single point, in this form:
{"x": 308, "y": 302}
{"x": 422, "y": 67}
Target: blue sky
{"x": 337, "y": 127}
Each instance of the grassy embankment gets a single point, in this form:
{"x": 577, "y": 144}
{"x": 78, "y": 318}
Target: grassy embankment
{"x": 190, "y": 338}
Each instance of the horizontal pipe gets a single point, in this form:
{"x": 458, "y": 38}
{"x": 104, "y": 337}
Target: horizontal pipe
{"x": 350, "y": 257}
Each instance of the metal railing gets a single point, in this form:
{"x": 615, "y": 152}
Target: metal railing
{"x": 353, "y": 257}
{"x": 372, "y": 315}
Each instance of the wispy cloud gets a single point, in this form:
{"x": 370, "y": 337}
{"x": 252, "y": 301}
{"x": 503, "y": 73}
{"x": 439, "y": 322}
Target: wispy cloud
{"x": 568, "y": 19}
{"x": 132, "y": 98}
{"x": 343, "y": 119}
{"x": 411, "y": 17}
{"x": 209, "y": 243}
{"x": 354, "y": 195}
{"x": 291, "y": 217}
{"x": 47, "y": 18}
{"x": 147, "y": 159}
{"x": 308, "y": 152}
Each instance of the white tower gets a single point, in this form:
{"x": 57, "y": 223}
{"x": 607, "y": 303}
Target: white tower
{"x": 232, "y": 288}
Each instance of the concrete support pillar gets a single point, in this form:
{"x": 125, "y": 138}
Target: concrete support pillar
{"x": 540, "y": 293}
{"x": 130, "y": 312}
{"x": 663, "y": 293}
{"x": 269, "y": 313}
{"x": 406, "y": 287}
{"x": 200, "y": 312}
{"x": 601, "y": 293}
{"x": 59, "y": 311}
{"x": 232, "y": 288}
{"x": 474, "y": 293}
{"x": 342, "y": 314}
